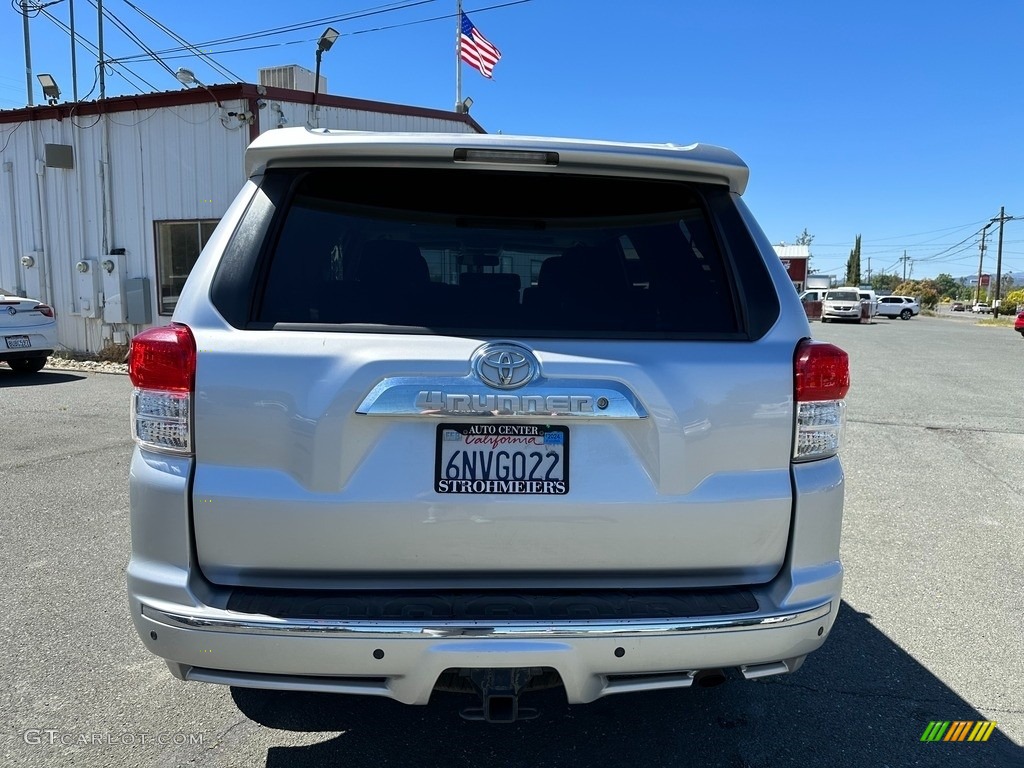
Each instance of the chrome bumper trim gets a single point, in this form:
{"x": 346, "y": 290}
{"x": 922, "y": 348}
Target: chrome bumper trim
{"x": 213, "y": 620}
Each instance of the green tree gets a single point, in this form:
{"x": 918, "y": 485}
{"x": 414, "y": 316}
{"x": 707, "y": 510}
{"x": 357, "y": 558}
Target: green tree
{"x": 853, "y": 264}
{"x": 805, "y": 238}
{"x": 946, "y": 286}
{"x": 885, "y": 284}
{"x": 1012, "y": 300}
{"x": 925, "y": 291}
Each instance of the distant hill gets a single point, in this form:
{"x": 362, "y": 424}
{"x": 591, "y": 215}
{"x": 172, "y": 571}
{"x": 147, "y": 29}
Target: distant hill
{"x": 1018, "y": 278}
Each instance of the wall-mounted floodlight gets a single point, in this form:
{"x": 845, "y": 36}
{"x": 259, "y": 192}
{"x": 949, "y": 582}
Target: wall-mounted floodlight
{"x": 50, "y": 90}
{"x": 186, "y": 77}
{"x": 463, "y": 106}
{"x": 326, "y": 41}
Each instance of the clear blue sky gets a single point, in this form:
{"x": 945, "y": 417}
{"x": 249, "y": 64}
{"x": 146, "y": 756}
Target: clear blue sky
{"x": 899, "y": 121}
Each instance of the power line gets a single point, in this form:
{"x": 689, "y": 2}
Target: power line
{"x": 332, "y": 19}
{"x": 208, "y": 59}
{"x": 933, "y": 231}
{"x": 95, "y": 50}
{"x": 299, "y": 26}
{"x": 131, "y": 36}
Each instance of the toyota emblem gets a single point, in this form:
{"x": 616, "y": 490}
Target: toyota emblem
{"x": 505, "y": 365}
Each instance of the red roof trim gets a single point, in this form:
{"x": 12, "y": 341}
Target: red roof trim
{"x": 229, "y": 92}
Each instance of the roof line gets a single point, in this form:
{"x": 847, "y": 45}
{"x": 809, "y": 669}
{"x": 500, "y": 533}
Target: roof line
{"x": 223, "y": 92}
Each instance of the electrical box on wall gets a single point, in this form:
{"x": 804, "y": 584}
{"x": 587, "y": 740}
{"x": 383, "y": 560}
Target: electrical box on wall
{"x": 87, "y": 287}
{"x": 33, "y": 275}
{"x": 112, "y": 278}
{"x": 137, "y": 302}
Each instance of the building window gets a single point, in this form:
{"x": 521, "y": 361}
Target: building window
{"x": 178, "y": 244}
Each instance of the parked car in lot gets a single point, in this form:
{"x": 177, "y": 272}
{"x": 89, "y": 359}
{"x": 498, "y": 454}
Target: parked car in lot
{"x": 841, "y": 304}
{"x": 1018, "y": 323}
{"x": 398, "y": 439}
{"x": 29, "y": 331}
{"x": 981, "y": 308}
{"x": 903, "y": 307}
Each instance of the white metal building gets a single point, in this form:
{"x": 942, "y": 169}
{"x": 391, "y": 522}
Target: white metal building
{"x": 104, "y": 206}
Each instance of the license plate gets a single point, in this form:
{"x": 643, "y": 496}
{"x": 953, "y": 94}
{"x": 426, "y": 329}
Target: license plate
{"x": 18, "y": 342}
{"x": 503, "y": 459}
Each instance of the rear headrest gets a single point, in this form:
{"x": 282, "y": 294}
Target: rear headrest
{"x": 496, "y": 281}
{"x": 392, "y": 261}
{"x": 596, "y": 266}
{"x": 554, "y": 273}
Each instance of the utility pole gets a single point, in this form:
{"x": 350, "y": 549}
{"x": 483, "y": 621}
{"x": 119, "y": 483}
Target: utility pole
{"x": 74, "y": 63}
{"x": 28, "y": 51}
{"x": 999, "y": 258}
{"x": 99, "y": 41}
{"x": 904, "y": 260}
{"x": 869, "y": 269}
{"x": 981, "y": 260}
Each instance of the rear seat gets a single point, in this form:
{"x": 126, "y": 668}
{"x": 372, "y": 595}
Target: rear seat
{"x": 392, "y": 286}
{"x": 590, "y": 282}
{"x": 492, "y": 295}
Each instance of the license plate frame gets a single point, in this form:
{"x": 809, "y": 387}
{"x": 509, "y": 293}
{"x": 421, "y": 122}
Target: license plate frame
{"x": 467, "y": 459}
{"x": 18, "y": 342}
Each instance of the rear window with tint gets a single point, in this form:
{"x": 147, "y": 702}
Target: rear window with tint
{"x": 515, "y": 253}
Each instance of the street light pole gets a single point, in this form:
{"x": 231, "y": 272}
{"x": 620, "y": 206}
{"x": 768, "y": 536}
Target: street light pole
{"x": 325, "y": 42}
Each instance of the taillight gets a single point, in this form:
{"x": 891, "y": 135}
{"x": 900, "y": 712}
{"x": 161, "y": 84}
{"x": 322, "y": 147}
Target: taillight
{"x": 162, "y": 366}
{"x": 44, "y": 309}
{"x": 821, "y": 381}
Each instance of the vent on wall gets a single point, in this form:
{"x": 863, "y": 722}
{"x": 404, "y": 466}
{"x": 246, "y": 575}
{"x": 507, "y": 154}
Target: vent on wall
{"x": 60, "y": 156}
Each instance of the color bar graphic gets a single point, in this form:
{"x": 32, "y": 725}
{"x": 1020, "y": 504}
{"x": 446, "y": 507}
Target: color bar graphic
{"x": 958, "y": 730}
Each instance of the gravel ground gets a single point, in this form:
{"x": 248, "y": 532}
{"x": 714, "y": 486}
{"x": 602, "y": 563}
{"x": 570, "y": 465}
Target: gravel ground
{"x": 93, "y": 366}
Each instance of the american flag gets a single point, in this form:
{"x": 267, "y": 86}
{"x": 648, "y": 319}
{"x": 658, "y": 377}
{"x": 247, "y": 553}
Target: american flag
{"x": 476, "y": 50}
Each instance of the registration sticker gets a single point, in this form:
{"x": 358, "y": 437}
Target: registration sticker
{"x": 503, "y": 459}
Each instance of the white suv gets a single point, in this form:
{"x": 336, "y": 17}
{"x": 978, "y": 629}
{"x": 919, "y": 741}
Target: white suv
{"x": 903, "y": 307}
{"x": 491, "y": 412}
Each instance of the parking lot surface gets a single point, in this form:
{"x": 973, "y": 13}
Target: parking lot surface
{"x": 930, "y": 628}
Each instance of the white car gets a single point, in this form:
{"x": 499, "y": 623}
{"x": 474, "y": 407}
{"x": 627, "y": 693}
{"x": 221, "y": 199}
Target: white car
{"x": 29, "y": 331}
{"x": 841, "y": 304}
{"x": 903, "y": 307}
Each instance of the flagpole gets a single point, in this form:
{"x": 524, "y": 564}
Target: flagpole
{"x": 458, "y": 55}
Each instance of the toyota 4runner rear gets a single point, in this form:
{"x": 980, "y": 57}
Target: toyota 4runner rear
{"x": 485, "y": 413}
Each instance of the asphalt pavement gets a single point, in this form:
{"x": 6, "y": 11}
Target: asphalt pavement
{"x": 931, "y": 626}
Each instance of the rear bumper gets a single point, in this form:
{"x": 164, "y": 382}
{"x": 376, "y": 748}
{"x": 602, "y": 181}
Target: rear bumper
{"x": 842, "y": 314}
{"x": 184, "y": 619}
{"x": 404, "y": 661}
{"x": 41, "y": 340}
{"x": 21, "y": 354}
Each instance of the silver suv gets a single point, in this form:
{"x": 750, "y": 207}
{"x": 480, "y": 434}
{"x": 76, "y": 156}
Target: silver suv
{"x": 485, "y": 413}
